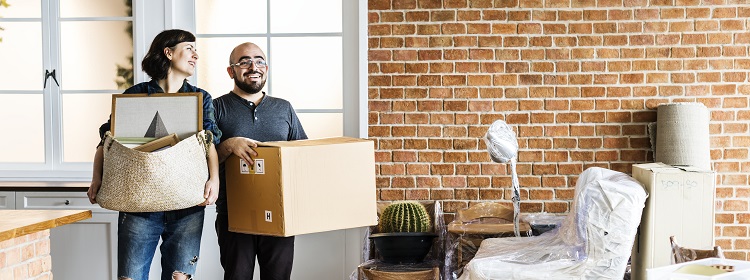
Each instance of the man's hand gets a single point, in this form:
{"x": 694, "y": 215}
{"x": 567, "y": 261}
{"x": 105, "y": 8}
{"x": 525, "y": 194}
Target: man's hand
{"x": 240, "y": 146}
{"x": 93, "y": 190}
{"x": 211, "y": 192}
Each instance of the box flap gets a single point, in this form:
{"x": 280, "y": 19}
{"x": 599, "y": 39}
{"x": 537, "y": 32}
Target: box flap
{"x": 312, "y": 142}
{"x": 658, "y": 167}
{"x": 692, "y": 169}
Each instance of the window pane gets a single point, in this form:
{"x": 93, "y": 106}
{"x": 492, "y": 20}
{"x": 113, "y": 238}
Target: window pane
{"x": 24, "y": 116}
{"x": 213, "y": 61}
{"x": 82, "y": 116}
{"x": 96, "y": 8}
{"x": 310, "y": 77}
{"x": 321, "y": 125}
{"x": 305, "y": 16}
{"x": 231, "y": 17}
{"x": 90, "y": 64}
{"x": 22, "y": 9}
{"x": 21, "y": 56}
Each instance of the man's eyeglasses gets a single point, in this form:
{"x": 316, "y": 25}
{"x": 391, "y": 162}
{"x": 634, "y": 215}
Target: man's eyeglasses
{"x": 245, "y": 63}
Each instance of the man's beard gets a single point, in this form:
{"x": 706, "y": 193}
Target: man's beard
{"x": 251, "y": 88}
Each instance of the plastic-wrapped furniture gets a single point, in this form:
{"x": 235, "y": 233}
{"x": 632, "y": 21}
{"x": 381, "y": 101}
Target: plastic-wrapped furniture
{"x": 681, "y": 254}
{"x": 594, "y": 241}
{"x": 474, "y": 224}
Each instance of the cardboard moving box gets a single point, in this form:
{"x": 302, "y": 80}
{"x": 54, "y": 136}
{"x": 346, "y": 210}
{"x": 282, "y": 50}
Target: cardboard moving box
{"x": 680, "y": 203}
{"x": 305, "y": 186}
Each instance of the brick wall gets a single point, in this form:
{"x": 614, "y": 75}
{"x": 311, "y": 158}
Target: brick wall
{"x": 579, "y": 80}
{"x": 26, "y": 257}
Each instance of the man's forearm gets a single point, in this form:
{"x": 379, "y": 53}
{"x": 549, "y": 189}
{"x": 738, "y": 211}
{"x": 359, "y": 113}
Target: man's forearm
{"x": 222, "y": 151}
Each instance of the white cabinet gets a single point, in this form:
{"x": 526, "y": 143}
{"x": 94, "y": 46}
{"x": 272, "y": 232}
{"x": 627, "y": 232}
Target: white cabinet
{"x": 7, "y": 200}
{"x": 85, "y": 250}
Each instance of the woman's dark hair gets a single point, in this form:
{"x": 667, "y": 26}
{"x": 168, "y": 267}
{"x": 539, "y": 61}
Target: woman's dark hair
{"x": 155, "y": 63}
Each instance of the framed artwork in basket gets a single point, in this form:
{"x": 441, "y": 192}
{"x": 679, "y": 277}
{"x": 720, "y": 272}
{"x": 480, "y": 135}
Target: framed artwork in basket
{"x": 159, "y": 144}
{"x": 156, "y": 115}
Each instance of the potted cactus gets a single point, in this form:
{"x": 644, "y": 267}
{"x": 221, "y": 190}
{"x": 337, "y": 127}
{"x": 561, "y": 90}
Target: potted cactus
{"x": 404, "y": 233}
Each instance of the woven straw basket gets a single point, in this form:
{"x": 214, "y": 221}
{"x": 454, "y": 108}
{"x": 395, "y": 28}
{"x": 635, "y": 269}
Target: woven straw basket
{"x": 165, "y": 180}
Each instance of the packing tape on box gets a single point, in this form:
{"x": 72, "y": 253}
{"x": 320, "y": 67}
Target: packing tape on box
{"x": 682, "y": 135}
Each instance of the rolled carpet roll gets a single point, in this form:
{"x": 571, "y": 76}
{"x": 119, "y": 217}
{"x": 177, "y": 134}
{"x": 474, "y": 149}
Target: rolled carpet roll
{"x": 682, "y": 135}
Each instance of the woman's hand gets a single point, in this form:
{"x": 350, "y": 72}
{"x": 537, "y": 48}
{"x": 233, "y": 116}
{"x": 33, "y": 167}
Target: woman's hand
{"x": 93, "y": 190}
{"x": 96, "y": 178}
{"x": 211, "y": 192}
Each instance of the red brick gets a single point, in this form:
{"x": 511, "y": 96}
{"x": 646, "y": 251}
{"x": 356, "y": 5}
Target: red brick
{"x": 430, "y": 4}
{"x": 418, "y": 194}
{"x": 417, "y": 16}
{"x": 428, "y": 29}
{"x": 379, "y": 4}
{"x": 453, "y": 181}
{"x": 391, "y": 194}
{"x": 535, "y": 54}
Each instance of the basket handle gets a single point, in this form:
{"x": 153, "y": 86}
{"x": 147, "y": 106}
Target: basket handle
{"x": 206, "y": 138}
{"x": 108, "y": 139}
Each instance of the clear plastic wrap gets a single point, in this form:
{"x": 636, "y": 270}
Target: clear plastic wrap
{"x": 593, "y": 242}
{"x": 374, "y": 269}
{"x": 501, "y": 142}
{"x": 503, "y": 148}
{"x": 471, "y": 226}
{"x": 543, "y": 222}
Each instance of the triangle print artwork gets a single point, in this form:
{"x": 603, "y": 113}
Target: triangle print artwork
{"x": 157, "y": 128}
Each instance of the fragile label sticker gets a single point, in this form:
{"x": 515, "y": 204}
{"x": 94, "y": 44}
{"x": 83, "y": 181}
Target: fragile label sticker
{"x": 244, "y": 167}
{"x": 260, "y": 167}
{"x": 269, "y": 216}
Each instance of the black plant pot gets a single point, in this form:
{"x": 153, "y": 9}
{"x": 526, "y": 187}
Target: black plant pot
{"x": 403, "y": 247}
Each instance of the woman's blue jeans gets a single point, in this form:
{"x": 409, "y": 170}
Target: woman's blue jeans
{"x": 139, "y": 233}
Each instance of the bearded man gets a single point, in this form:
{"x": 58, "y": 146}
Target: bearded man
{"x": 247, "y": 116}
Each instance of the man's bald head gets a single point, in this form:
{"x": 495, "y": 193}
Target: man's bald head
{"x": 242, "y": 49}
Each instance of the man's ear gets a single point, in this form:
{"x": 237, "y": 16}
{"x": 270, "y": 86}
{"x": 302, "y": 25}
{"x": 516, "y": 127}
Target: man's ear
{"x": 230, "y": 71}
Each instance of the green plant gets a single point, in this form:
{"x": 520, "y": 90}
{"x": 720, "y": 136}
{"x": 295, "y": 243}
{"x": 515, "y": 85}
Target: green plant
{"x": 407, "y": 216}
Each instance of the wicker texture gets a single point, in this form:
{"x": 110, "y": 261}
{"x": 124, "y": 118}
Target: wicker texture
{"x": 165, "y": 180}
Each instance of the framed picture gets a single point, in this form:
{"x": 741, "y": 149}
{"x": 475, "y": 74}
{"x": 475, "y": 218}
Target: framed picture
{"x": 159, "y": 144}
{"x": 155, "y": 116}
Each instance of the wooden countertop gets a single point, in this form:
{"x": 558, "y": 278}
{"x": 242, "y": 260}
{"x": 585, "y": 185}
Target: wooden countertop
{"x": 16, "y": 223}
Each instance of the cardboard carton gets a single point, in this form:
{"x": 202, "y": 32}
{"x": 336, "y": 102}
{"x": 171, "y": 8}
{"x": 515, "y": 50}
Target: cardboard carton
{"x": 680, "y": 204}
{"x": 306, "y": 186}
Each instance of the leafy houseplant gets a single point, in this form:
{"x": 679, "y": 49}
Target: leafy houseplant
{"x": 404, "y": 233}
